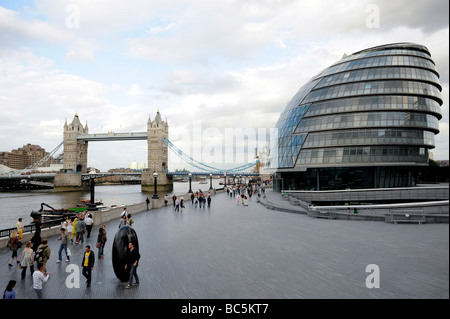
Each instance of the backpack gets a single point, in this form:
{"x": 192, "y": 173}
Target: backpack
{"x": 39, "y": 255}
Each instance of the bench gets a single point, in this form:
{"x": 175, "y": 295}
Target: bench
{"x": 322, "y": 214}
{"x": 408, "y": 216}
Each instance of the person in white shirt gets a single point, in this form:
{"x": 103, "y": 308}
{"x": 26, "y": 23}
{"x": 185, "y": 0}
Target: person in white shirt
{"x": 89, "y": 222}
{"x": 39, "y": 277}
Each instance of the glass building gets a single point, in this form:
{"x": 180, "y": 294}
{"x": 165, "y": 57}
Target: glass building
{"x": 367, "y": 121}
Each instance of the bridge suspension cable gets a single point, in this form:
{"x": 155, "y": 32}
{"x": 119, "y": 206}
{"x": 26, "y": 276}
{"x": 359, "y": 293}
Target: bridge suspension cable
{"x": 204, "y": 167}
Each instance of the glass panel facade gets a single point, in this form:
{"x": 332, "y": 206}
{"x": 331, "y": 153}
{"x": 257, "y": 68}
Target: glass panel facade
{"x": 375, "y": 103}
{"x": 386, "y": 136}
{"x": 396, "y": 73}
{"x": 381, "y": 61}
{"x": 375, "y": 87}
{"x": 363, "y": 154}
{"x": 333, "y": 178}
{"x": 369, "y": 119}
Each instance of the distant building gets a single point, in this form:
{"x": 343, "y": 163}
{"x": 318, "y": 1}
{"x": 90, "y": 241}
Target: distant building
{"x": 25, "y": 156}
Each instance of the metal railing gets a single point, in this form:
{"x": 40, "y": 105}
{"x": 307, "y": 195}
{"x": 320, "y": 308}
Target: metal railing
{"x": 31, "y": 227}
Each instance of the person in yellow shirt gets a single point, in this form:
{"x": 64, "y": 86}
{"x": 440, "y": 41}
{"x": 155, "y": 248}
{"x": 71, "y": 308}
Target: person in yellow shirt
{"x": 88, "y": 264}
{"x": 20, "y": 229}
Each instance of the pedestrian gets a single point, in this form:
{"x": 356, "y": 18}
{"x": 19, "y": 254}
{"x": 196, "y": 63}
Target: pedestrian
{"x": 195, "y": 201}
{"x": 166, "y": 199}
{"x": 42, "y": 254}
{"x": 182, "y": 203}
{"x": 68, "y": 226}
{"x": 147, "y": 201}
{"x": 132, "y": 261}
{"x": 27, "y": 260}
{"x": 64, "y": 241}
{"x": 174, "y": 198}
{"x": 37, "y": 225}
{"x": 209, "y": 200}
{"x": 39, "y": 277}
{"x": 129, "y": 221}
{"x": 20, "y": 229}
{"x": 88, "y": 264}
{"x": 123, "y": 220}
{"x": 14, "y": 246}
{"x": 192, "y": 198}
{"x": 101, "y": 240}
{"x": 36, "y": 240}
{"x": 9, "y": 292}
{"x": 124, "y": 213}
{"x": 89, "y": 223}
{"x": 74, "y": 229}
{"x": 177, "y": 204}
{"x": 81, "y": 227}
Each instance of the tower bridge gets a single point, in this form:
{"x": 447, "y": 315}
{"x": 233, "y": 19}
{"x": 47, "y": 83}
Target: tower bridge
{"x": 77, "y": 138}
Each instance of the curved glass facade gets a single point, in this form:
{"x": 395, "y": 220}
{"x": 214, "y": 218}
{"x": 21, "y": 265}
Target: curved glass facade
{"x": 368, "y": 114}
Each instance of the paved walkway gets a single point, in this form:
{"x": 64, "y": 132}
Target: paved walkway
{"x": 236, "y": 252}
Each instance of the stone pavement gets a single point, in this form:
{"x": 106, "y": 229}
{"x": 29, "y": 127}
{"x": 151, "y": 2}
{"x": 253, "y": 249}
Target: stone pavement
{"x": 235, "y": 252}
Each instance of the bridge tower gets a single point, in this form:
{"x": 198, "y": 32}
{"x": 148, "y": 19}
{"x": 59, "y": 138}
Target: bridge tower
{"x": 75, "y": 151}
{"x": 75, "y": 156}
{"x": 158, "y": 156}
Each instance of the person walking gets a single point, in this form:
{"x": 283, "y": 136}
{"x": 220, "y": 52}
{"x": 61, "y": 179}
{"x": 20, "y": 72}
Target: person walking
{"x": 81, "y": 227}
{"x": 9, "y": 292}
{"x": 101, "y": 240}
{"x": 88, "y": 264}
{"x": 43, "y": 253}
{"x": 39, "y": 277}
{"x": 195, "y": 200}
{"x": 27, "y": 260}
{"x": 20, "y": 229}
{"x": 68, "y": 226}
{"x": 74, "y": 229}
{"x": 166, "y": 200}
{"x": 89, "y": 223}
{"x": 182, "y": 203}
{"x": 147, "y": 201}
{"x": 64, "y": 241}
{"x": 209, "y": 200}
{"x": 132, "y": 261}
{"x": 177, "y": 204}
{"x": 14, "y": 246}
{"x": 129, "y": 221}
{"x": 36, "y": 241}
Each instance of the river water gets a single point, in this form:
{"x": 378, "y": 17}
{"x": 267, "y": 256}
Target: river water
{"x": 20, "y": 204}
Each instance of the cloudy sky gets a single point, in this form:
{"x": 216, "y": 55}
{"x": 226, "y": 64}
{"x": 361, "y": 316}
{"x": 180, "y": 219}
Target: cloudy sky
{"x": 210, "y": 67}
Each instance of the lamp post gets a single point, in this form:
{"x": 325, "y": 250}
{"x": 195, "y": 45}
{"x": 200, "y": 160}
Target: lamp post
{"x": 190, "y": 183}
{"x": 225, "y": 175}
{"x": 155, "y": 196}
{"x": 92, "y": 206}
{"x": 210, "y": 181}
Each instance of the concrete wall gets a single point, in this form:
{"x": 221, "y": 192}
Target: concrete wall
{"x": 66, "y": 182}
{"x": 377, "y": 194}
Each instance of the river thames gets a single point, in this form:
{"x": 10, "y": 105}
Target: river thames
{"x": 20, "y": 204}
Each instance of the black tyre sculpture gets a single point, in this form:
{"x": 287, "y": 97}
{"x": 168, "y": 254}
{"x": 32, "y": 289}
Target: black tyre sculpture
{"x": 123, "y": 237}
